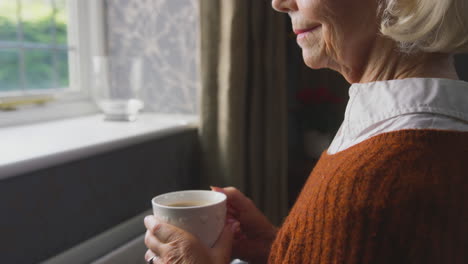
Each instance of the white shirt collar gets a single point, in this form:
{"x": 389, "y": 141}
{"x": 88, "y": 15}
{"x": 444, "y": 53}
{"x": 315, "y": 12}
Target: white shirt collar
{"x": 371, "y": 103}
{"x": 415, "y": 103}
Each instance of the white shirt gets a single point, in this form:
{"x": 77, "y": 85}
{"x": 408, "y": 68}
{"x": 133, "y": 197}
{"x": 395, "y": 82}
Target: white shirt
{"x": 415, "y": 103}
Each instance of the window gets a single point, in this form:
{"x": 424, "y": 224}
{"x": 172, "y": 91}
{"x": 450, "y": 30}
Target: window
{"x": 33, "y": 45}
{"x": 45, "y": 52}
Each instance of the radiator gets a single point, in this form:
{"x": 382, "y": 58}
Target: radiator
{"x": 121, "y": 244}
{"x": 132, "y": 252}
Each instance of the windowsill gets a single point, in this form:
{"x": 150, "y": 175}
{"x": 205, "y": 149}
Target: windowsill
{"x": 60, "y": 109}
{"x": 42, "y": 145}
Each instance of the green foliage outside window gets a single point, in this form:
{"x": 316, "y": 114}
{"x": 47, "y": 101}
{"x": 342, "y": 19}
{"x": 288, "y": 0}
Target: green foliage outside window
{"x": 37, "y": 27}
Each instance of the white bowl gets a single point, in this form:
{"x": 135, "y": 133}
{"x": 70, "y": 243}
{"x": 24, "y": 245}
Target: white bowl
{"x": 120, "y": 110}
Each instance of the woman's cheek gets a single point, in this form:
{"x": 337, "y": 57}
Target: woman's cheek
{"x": 332, "y": 42}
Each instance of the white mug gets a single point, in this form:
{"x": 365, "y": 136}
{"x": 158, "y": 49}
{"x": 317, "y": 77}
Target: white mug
{"x": 199, "y": 212}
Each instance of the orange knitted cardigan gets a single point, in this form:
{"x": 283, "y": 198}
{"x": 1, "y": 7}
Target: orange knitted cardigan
{"x": 399, "y": 197}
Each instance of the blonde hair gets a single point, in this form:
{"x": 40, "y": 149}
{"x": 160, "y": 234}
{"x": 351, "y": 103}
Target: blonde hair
{"x": 426, "y": 25}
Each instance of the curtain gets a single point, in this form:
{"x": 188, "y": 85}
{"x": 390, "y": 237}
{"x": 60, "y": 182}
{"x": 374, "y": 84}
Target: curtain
{"x": 243, "y": 128}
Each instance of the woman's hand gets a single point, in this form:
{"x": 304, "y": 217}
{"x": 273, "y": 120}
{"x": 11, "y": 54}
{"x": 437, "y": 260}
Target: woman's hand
{"x": 169, "y": 244}
{"x": 253, "y": 242}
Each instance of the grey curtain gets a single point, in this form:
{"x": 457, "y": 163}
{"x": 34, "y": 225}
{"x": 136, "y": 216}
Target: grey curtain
{"x": 243, "y": 100}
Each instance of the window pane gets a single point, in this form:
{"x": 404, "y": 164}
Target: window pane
{"x": 61, "y": 21}
{"x": 37, "y": 18}
{"x": 62, "y": 69}
{"x": 42, "y": 62}
{"x": 9, "y": 70}
{"x": 39, "y": 69}
{"x": 8, "y": 20}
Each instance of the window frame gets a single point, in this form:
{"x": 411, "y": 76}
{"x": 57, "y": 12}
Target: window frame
{"x": 87, "y": 38}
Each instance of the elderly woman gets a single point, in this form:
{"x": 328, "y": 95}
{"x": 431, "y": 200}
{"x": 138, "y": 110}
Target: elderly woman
{"x": 393, "y": 185}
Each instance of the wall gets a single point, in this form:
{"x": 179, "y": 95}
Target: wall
{"x": 46, "y": 212}
{"x": 165, "y": 34}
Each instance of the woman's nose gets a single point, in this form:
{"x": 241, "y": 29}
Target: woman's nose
{"x": 284, "y": 6}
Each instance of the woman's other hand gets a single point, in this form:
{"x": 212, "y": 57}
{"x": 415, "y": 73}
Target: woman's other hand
{"x": 256, "y": 235}
{"x": 173, "y": 245}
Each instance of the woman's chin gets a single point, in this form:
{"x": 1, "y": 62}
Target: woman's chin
{"x": 314, "y": 60}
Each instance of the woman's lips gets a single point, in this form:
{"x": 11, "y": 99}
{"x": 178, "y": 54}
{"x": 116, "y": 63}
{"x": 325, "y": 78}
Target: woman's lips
{"x": 301, "y": 33}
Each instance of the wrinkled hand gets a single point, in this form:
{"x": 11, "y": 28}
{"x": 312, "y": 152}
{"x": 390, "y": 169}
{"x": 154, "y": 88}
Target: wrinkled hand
{"x": 253, "y": 242}
{"x": 173, "y": 245}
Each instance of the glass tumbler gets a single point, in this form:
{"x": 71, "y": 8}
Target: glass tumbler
{"x": 116, "y": 86}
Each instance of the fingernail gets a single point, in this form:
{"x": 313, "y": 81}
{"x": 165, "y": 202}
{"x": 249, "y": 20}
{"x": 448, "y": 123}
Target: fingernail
{"x": 235, "y": 227}
{"x": 147, "y": 218}
{"x": 217, "y": 189}
{"x": 151, "y": 220}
